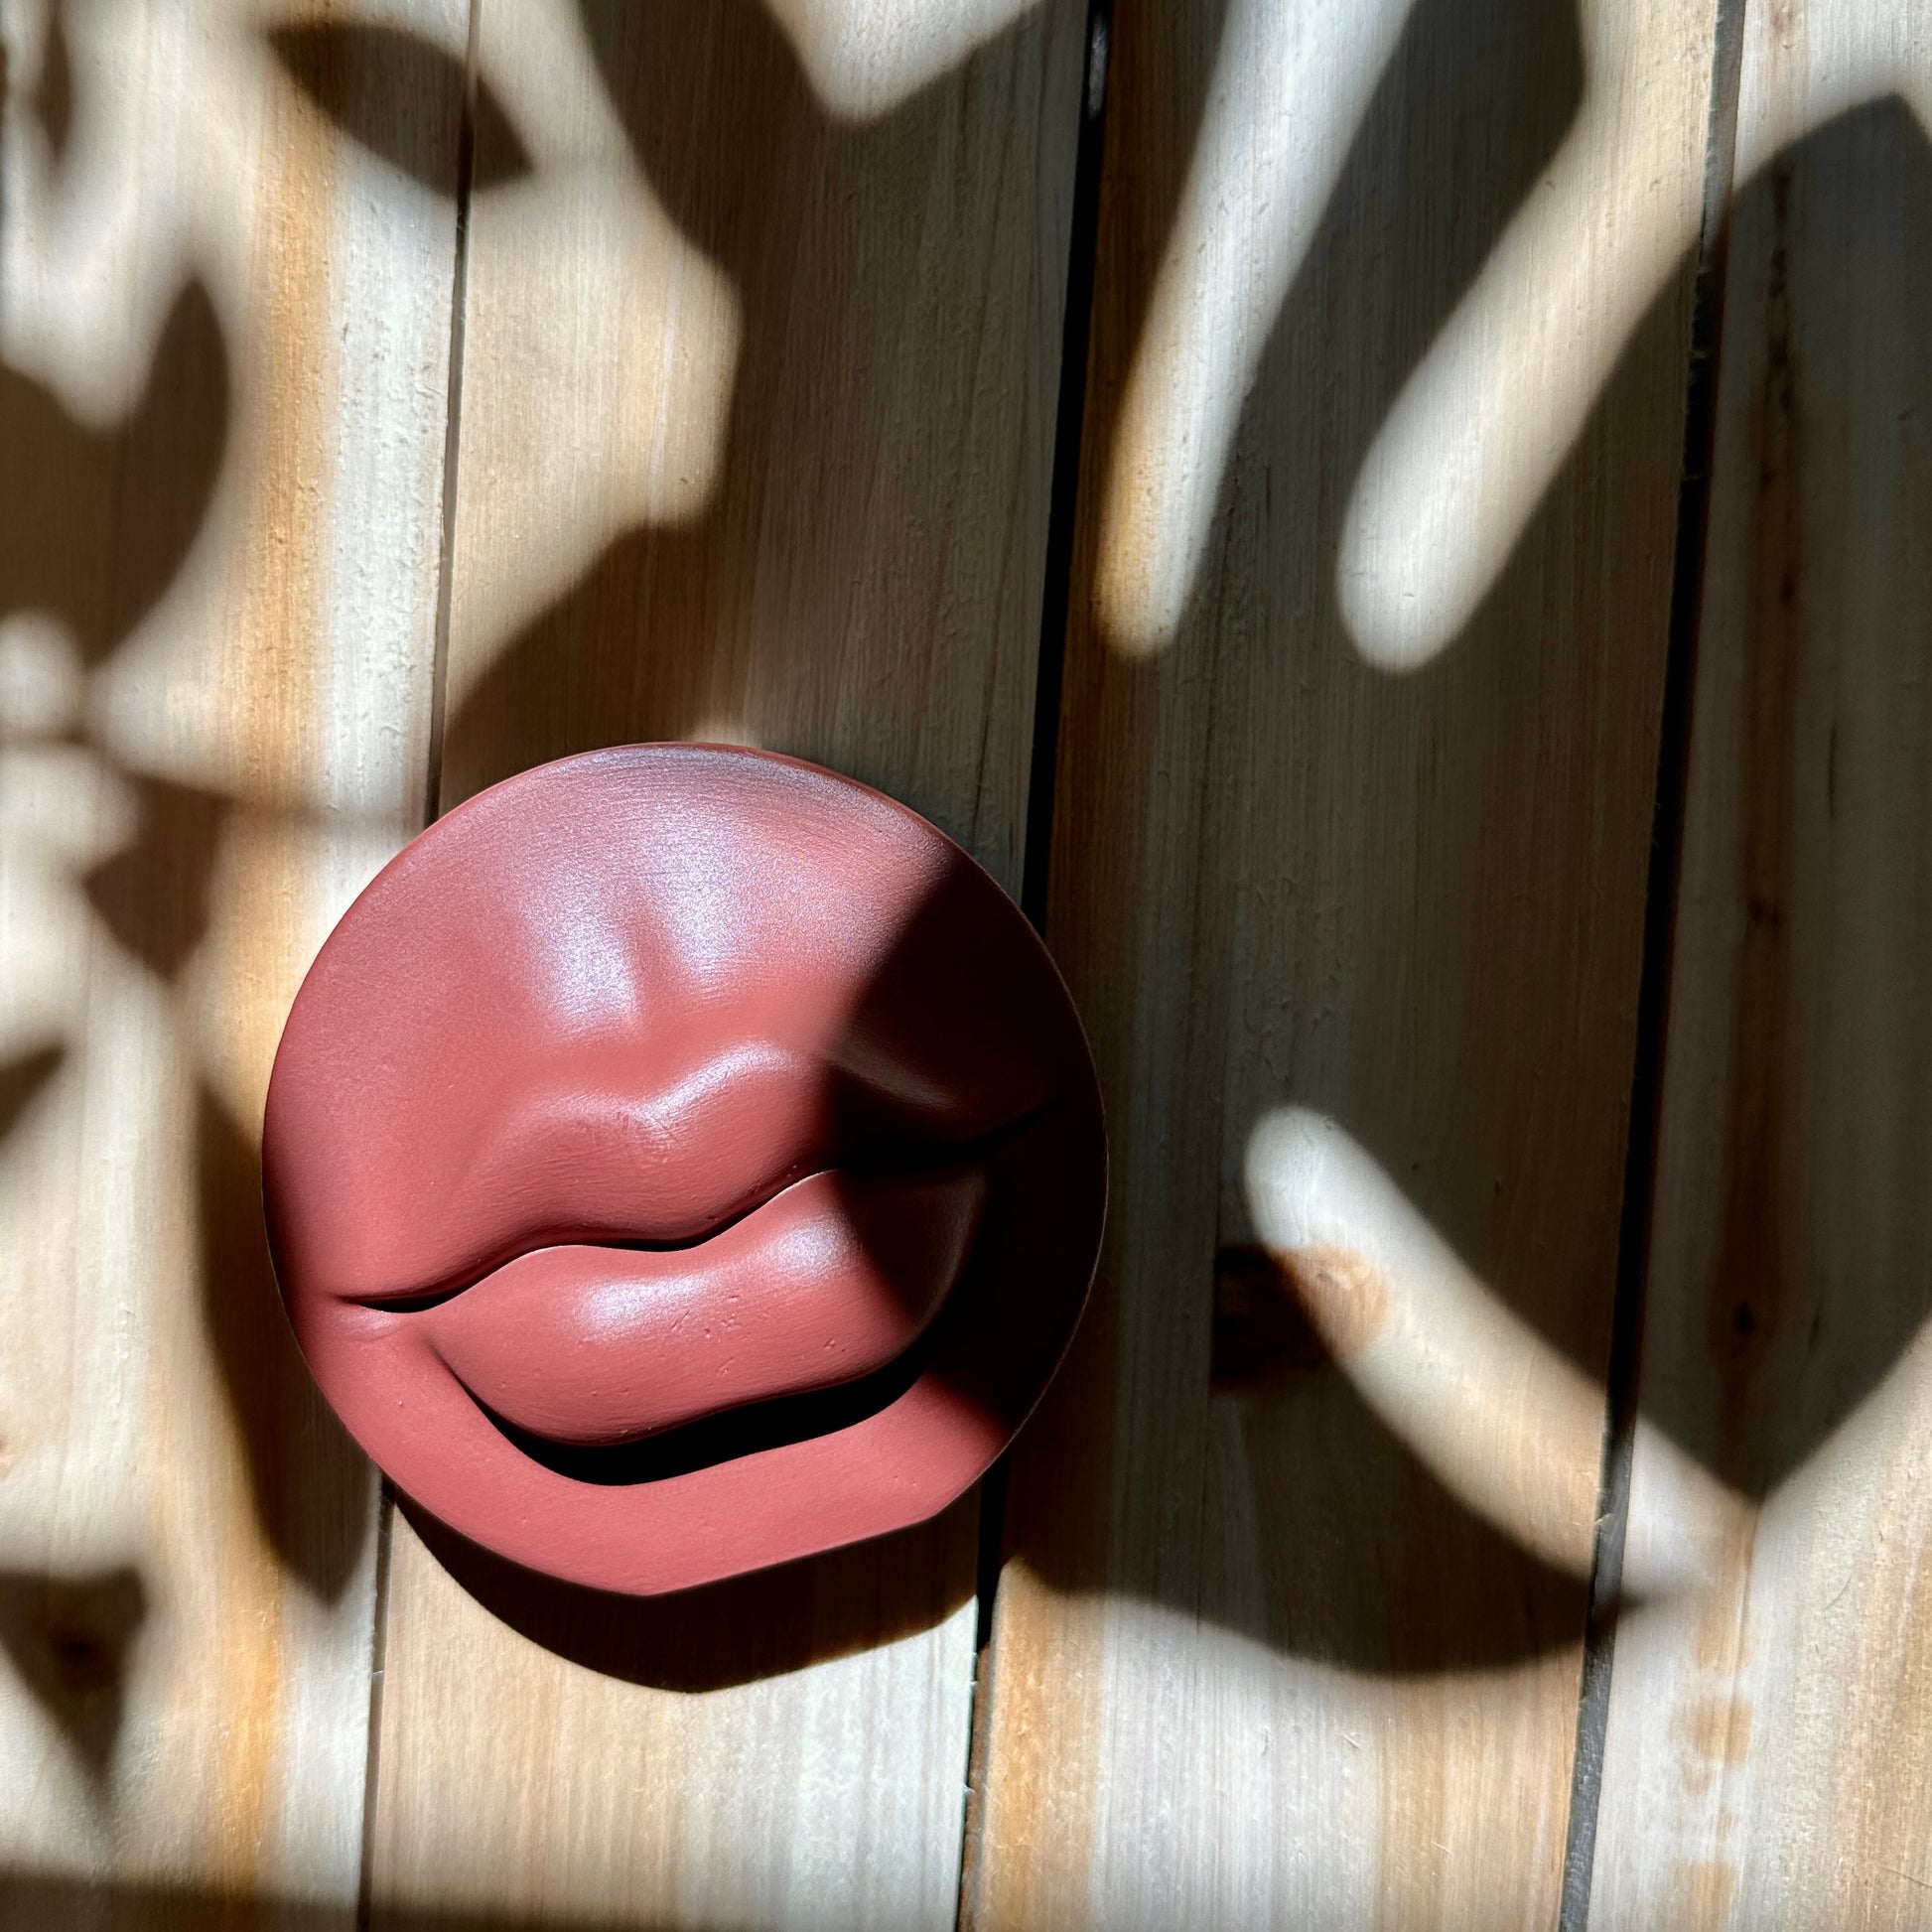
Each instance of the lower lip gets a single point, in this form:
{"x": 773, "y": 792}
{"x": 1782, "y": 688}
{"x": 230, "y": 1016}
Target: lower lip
{"x": 828, "y": 1281}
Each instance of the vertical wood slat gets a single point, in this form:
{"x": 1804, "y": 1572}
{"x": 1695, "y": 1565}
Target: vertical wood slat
{"x": 225, "y": 279}
{"x": 1290, "y": 1626}
{"x": 1767, "y": 1745}
{"x": 757, "y": 413}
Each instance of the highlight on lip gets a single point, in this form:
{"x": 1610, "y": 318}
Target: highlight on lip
{"x": 832, "y": 1279}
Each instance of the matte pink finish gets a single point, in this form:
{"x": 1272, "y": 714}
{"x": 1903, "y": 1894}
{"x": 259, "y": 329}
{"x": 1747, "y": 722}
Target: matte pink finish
{"x": 682, "y": 1159}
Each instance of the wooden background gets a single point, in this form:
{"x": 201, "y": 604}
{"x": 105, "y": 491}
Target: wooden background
{"x": 1397, "y": 528}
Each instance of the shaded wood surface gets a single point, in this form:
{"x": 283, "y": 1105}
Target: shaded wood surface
{"x": 1276, "y": 1645}
{"x": 225, "y": 324}
{"x": 758, "y": 405}
{"x": 1768, "y": 1747}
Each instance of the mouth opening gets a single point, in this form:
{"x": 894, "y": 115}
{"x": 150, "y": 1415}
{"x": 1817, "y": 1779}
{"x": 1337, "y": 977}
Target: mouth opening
{"x": 731, "y": 1433}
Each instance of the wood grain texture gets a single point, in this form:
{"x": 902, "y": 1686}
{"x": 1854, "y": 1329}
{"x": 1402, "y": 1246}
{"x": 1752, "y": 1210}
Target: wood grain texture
{"x": 758, "y": 399}
{"x": 224, "y": 336}
{"x": 1768, "y": 1754}
{"x": 1289, "y": 1629}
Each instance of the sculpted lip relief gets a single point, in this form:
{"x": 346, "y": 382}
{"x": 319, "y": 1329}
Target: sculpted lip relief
{"x": 682, "y": 1159}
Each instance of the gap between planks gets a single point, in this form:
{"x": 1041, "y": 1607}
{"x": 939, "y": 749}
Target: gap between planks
{"x": 1062, "y": 502}
{"x": 1645, "y": 1117}
{"x": 466, "y": 158}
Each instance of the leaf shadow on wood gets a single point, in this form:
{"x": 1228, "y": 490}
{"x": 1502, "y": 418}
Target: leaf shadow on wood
{"x": 1461, "y": 994}
{"x": 51, "y": 1902}
{"x": 95, "y": 525}
{"x": 401, "y": 97}
{"x": 71, "y": 1638}
{"x": 310, "y": 1484}
{"x": 22, "y": 1079}
{"x": 1805, "y": 1033}
{"x": 153, "y": 893}
{"x": 52, "y": 103}
{"x": 1260, "y": 1492}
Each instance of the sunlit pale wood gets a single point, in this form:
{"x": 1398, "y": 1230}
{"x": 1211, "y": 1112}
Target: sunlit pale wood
{"x": 758, "y": 405}
{"x": 1288, "y": 1634}
{"x": 223, "y": 335}
{"x": 1769, "y": 1749}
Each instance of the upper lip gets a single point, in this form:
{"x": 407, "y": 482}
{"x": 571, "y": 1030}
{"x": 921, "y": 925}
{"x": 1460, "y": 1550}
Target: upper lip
{"x": 596, "y": 1161}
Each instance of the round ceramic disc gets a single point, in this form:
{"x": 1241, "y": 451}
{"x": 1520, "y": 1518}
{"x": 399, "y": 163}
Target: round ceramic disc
{"x": 682, "y": 1159}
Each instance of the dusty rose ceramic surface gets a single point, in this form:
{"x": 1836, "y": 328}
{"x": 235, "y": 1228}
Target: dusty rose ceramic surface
{"x": 681, "y": 1159}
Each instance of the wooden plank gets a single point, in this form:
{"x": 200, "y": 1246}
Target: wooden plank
{"x": 224, "y": 313}
{"x": 757, "y": 403}
{"x": 1289, "y": 1629}
{"x": 1768, "y": 1755}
